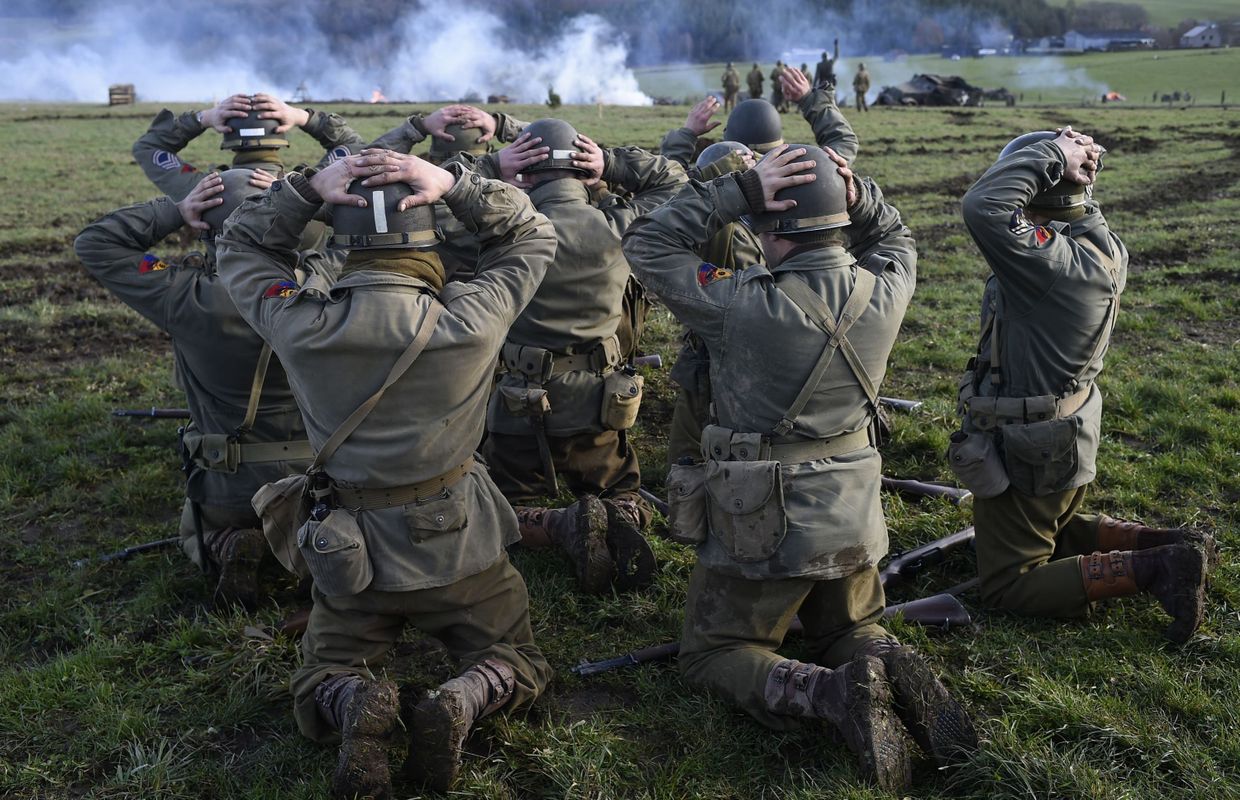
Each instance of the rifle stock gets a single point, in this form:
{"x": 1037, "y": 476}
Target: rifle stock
{"x": 903, "y": 566}
{"x": 654, "y": 361}
{"x": 121, "y": 555}
{"x": 902, "y": 405}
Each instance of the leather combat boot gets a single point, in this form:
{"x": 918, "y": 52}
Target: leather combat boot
{"x": 628, "y": 548}
{"x": 238, "y": 552}
{"x": 1175, "y": 574}
{"x": 856, "y": 699}
{"x": 365, "y": 712}
{"x": 939, "y": 725}
{"x": 580, "y": 530}
{"x": 1116, "y": 534}
{"x": 443, "y": 720}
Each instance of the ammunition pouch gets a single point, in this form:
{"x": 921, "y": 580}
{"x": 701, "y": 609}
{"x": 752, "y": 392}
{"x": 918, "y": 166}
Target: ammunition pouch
{"x": 686, "y": 503}
{"x": 220, "y": 452}
{"x": 744, "y": 494}
{"x": 1029, "y": 443}
{"x": 525, "y": 401}
{"x": 284, "y": 507}
{"x": 622, "y": 397}
{"x": 335, "y": 552}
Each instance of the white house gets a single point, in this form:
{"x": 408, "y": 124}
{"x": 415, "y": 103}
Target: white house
{"x": 1205, "y": 35}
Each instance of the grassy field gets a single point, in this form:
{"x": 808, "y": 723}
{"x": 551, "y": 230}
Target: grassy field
{"x": 1037, "y": 79}
{"x": 117, "y": 682}
{"x": 1169, "y": 13}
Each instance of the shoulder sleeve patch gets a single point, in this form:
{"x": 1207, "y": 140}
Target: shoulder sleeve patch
{"x": 708, "y": 273}
{"x": 1043, "y": 234}
{"x": 150, "y": 263}
{"x": 280, "y": 290}
{"x": 165, "y": 160}
{"x": 337, "y": 153}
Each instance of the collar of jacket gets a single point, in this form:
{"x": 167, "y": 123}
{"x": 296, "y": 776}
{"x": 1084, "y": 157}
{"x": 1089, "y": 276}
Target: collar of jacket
{"x": 814, "y": 258}
{"x": 1092, "y": 219}
{"x": 560, "y": 190}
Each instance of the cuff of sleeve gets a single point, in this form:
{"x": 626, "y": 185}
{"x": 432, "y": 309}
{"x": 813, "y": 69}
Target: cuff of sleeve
{"x": 751, "y": 188}
{"x": 613, "y": 169}
{"x": 167, "y": 217}
{"x": 730, "y": 200}
{"x": 314, "y": 121}
{"x": 418, "y": 123}
{"x": 189, "y": 121}
{"x": 299, "y": 182}
{"x": 1055, "y": 169}
{"x": 864, "y": 209}
{"x": 465, "y": 192}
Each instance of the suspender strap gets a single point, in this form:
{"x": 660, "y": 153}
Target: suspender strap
{"x": 402, "y": 364}
{"x": 256, "y": 389}
{"x": 812, "y": 305}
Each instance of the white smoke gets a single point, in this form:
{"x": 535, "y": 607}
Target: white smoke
{"x": 444, "y": 52}
{"x": 1053, "y": 72}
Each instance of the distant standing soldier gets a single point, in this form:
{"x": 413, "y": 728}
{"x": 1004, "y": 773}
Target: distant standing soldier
{"x": 731, "y": 87}
{"x": 777, "y": 88}
{"x": 861, "y": 85}
{"x": 755, "y": 78}
{"x": 1032, "y": 410}
{"x": 824, "y": 73}
{"x": 809, "y": 76}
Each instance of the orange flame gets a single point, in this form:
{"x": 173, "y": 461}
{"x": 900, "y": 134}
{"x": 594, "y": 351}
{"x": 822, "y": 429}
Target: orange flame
{"x": 377, "y": 97}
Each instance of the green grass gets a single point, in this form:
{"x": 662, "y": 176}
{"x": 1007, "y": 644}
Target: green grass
{"x": 116, "y": 682}
{"x": 1038, "y": 79}
{"x": 1169, "y": 13}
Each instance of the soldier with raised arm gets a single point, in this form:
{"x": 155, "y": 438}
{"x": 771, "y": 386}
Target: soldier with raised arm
{"x": 409, "y": 528}
{"x": 785, "y": 509}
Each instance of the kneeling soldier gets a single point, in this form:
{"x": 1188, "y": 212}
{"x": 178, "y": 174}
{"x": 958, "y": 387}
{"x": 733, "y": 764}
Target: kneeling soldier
{"x": 785, "y": 510}
{"x": 1031, "y": 404}
{"x": 409, "y": 528}
{"x": 245, "y": 427}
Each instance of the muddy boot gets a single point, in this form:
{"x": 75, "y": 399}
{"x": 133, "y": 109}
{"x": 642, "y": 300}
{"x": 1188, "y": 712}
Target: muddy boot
{"x": 580, "y": 530}
{"x": 939, "y": 725}
{"x": 629, "y": 550}
{"x": 238, "y": 552}
{"x": 1174, "y": 574}
{"x": 1116, "y": 534}
{"x": 365, "y": 712}
{"x": 443, "y": 720}
{"x": 857, "y": 700}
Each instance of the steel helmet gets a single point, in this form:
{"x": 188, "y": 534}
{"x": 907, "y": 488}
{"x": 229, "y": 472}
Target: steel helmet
{"x": 755, "y": 123}
{"x": 557, "y": 135}
{"x": 822, "y": 204}
{"x": 379, "y": 224}
{"x": 250, "y": 132}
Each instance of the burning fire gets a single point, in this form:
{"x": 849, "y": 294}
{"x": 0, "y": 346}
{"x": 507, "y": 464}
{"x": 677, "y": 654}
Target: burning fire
{"x": 377, "y": 97}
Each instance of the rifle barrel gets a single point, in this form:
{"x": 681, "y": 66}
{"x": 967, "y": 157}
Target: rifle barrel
{"x": 902, "y": 405}
{"x": 158, "y": 413}
{"x": 922, "y": 489}
{"x": 653, "y": 360}
{"x": 653, "y": 499}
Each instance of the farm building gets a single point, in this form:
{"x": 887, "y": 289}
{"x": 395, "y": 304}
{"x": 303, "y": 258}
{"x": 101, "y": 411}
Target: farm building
{"x": 1205, "y": 35}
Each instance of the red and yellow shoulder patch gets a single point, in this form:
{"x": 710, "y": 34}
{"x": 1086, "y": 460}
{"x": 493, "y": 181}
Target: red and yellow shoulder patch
{"x": 150, "y": 263}
{"x": 1043, "y": 234}
{"x": 281, "y": 289}
{"x": 709, "y": 273}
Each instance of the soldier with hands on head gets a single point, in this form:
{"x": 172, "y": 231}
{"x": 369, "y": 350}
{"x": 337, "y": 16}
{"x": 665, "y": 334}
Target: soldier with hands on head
{"x": 785, "y": 509}
{"x": 253, "y": 128}
{"x": 245, "y": 429}
{"x": 567, "y": 399}
{"x": 1031, "y": 405}
{"x": 408, "y": 525}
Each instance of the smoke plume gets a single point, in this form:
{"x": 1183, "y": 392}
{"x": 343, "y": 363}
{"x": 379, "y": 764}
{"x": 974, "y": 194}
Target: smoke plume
{"x": 421, "y": 51}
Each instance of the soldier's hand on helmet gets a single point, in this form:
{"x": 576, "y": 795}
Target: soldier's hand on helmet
{"x": 795, "y": 84}
{"x": 778, "y": 170}
{"x": 520, "y": 155}
{"x": 206, "y": 195}
{"x": 477, "y": 118}
{"x": 850, "y": 183}
{"x": 332, "y": 182}
{"x": 1080, "y": 154}
{"x": 262, "y": 179}
{"x": 699, "y": 120}
{"x": 590, "y": 158}
{"x": 229, "y": 108}
{"x": 437, "y": 121}
{"x": 271, "y": 107}
{"x": 429, "y": 182}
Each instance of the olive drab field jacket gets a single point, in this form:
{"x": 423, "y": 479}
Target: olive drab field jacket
{"x": 763, "y": 348}
{"x": 216, "y": 350}
{"x": 1049, "y": 308}
{"x": 338, "y": 344}
{"x": 577, "y": 309}
{"x": 830, "y": 126}
{"x": 156, "y": 151}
